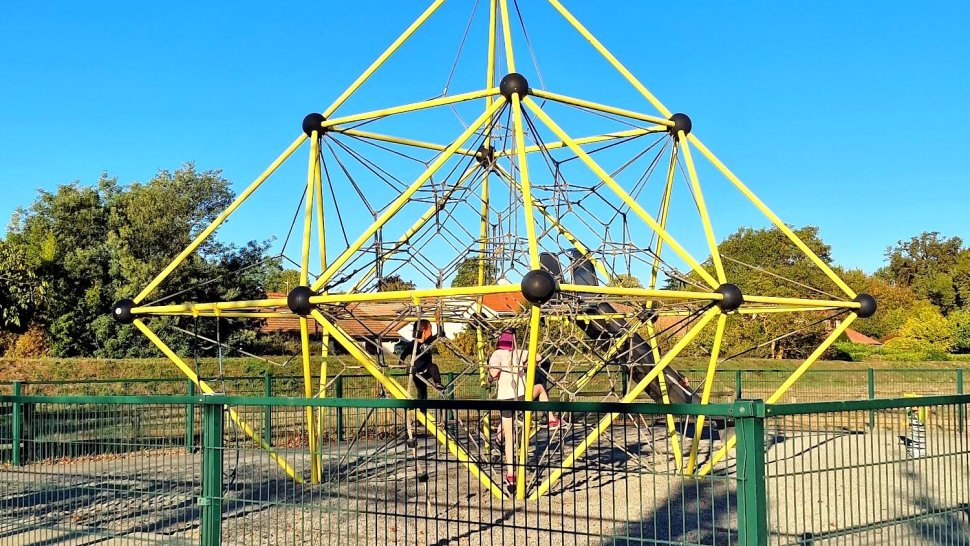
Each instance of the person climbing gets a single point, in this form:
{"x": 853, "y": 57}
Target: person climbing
{"x": 423, "y": 369}
{"x": 507, "y": 368}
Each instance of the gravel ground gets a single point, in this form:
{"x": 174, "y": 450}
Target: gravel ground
{"x": 822, "y": 488}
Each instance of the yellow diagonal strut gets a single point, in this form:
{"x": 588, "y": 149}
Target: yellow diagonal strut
{"x": 204, "y": 387}
{"x": 400, "y": 393}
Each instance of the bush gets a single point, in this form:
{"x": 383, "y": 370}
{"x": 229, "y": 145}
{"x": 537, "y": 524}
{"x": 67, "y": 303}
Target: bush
{"x": 960, "y": 326}
{"x": 846, "y": 350}
{"x": 30, "y": 344}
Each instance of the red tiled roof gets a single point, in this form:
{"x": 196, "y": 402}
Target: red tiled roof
{"x": 511, "y": 302}
{"x": 860, "y": 338}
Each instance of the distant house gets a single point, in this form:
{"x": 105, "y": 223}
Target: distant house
{"x": 382, "y": 324}
{"x": 860, "y": 338}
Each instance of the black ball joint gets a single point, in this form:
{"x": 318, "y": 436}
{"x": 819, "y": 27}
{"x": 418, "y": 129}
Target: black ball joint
{"x": 681, "y": 123}
{"x": 538, "y": 286}
{"x": 122, "y": 311}
{"x": 731, "y": 299}
{"x": 298, "y": 300}
{"x": 486, "y": 156}
{"x": 314, "y": 122}
{"x": 513, "y": 83}
{"x": 867, "y": 305}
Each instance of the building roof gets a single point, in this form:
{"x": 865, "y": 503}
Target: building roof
{"x": 860, "y": 338}
{"x": 501, "y": 304}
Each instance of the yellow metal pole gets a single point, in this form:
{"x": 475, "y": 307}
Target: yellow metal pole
{"x": 780, "y": 391}
{"x": 219, "y": 219}
{"x": 205, "y": 388}
{"x": 384, "y": 56}
{"x": 530, "y": 227}
{"x": 610, "y": 58}
{"x": 772, "y": 216}
{"x": 573, "y": 101}
{"x": 802, "y": 302}
{"x": 397, "y": 391}
{"x": 665, "y": 398}
{"x": 322, "y": 248}
{"x": 404, "y": 141}
{"x": 412, "y": 107}
{"x": 640, "y": 292}
{"x": 308, "y": 392}
{"x": 589, "y": 139}
{"x": 706, "y": 393}
{"x": 308, "y": 210}
{"x": 221, "y": 305}
{"x": 654, "y": 275}
{"x": 507, "y": 36}
{"x": 483, "y": 377}
{"x": 607, "y": 421}
{"x": 620, "y": 192}
{"x": 406, "y": 195}
{"x": 664, "y": 211}
{"x": 702, "y": 209}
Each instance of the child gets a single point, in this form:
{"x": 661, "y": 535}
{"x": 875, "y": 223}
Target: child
{"x": 423, "y": 369}
{"x": 507, "y": 367}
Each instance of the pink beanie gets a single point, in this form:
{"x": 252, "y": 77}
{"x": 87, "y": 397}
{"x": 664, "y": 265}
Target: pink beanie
{"x": 506, "y": 340}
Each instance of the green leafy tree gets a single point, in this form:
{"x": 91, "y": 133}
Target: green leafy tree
{"x": 936, "y": 267}
{"x": 467, "y": 274}
{"x": 960, "y": 327}
{"x": 625, "y": 280}
{"x": 90, "y": 246}
{"x": 927, "y": 332}
{"x": 393, "y": 283}
{"x": 282, "y": 280}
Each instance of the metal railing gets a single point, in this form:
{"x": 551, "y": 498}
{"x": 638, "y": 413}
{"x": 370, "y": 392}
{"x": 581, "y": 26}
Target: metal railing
{"x": 128, "y": 469}
{"x": 817, "y": 385}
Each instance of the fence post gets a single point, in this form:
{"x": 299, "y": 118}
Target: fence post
{"x": 871, "y": 379}
{"x": 752, "y": 504}
{"x": 338, "y": 387}
{"x": 267, "y": 409}
{"x": 213, "y": 425}
{"x": 450, "y": 393}
{"x": 190, "y": 421}
{"x": 960, "y": 408}
{"x": 737, "y": 384}
{"x": 18, "y": 424}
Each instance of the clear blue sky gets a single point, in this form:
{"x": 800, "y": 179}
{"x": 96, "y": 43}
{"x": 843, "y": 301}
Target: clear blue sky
{"x": 850, "y": 116}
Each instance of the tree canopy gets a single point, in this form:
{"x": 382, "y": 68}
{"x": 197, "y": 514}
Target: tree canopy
{"x": 76, "y": 250}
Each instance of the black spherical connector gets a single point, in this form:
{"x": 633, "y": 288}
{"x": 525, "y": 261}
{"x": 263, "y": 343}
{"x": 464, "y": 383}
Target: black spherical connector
{"x": 122, "y": 311}
{"x": 313, "y": 122}
{"x": 513, "y": 83}
{"x": 538, "y": 286}
{"x": 867, "y": 305}
{"x": 298, "y": 300}
{"x": 731, "y": 299}
{"x": 681, "y": 123}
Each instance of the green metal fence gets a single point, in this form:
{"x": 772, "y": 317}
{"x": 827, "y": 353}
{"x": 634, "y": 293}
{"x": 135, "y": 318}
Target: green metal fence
{"x": 817, "y": 385}
{"x": 179, "y": 470}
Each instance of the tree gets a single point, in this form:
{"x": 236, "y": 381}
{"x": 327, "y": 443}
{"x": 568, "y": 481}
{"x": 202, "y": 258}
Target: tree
{"x": 91, "y": 246}
{"x": 960, "y": 326}
{"x": 766, "y": 262}
{"x": 936, "y": 267}
{"x": 625, "y": 280}
{"x": 928, "y": 332}
{"x": 467, "y": 274}
{"x": 393, "y": 283}
{"x": 282, "y": 280}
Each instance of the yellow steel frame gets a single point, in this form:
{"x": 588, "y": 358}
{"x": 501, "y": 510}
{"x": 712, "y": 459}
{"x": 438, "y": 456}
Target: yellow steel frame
{"x": 518, "y": 179}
